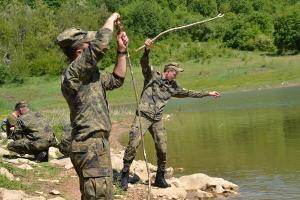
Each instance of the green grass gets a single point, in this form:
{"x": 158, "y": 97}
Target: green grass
{"x": 233, "y": 70}
{"x": 12, "y": 185}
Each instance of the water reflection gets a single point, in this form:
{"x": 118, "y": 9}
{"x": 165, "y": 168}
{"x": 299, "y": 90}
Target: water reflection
{"x": 251, "y": 138}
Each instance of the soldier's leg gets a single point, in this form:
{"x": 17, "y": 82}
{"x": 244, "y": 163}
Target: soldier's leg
{"x": 159, "y": 135}
{"x": 134, "y": 142}
{"x": 91, "y": 160}
{"x": 20, "y": 146}
{"x": 135, "y": 138}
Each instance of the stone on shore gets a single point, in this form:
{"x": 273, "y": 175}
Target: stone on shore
{"x": 6, "y": 173}
{"x": 64, "y": 162}
{"x": 17, "y": 195}
{"x": 195, "y": 186}
{"x": 4, "y": 152}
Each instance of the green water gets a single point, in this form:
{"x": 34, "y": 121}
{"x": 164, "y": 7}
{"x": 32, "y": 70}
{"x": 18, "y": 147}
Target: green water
{"x": 250, "y": 138}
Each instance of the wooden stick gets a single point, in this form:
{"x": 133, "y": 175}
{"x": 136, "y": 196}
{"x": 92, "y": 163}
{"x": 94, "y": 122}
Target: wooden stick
{"x": 181, "y": 27}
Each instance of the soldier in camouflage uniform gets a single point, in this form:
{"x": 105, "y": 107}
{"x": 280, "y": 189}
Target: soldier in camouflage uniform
{"x": 12, "y": 120}
{"x": 158, "y": 89}
{"x": 35, "y": 136}
{"x": 84, "y": 88}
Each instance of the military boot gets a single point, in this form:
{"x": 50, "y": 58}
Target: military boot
{"x": 125, "y": 178}
{"x": 160, "y": 180}
{"x": 42, "y": 156}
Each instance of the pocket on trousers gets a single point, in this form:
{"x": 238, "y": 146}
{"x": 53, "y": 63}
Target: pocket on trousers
{"x": 93, "y": 158}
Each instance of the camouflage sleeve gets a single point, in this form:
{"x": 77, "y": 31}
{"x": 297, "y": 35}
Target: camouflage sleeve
{"x": 111, "y": 81}
{"x": 98, "y": 47}
{"x": 147, "y": 69}
{"x": 182, "y": 93}
{"x": 85, "y": 65}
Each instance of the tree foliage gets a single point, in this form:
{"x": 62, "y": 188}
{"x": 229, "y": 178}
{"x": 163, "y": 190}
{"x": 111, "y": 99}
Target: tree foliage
{"x": 29, "y": 29}
{"x": 287, "y": 31}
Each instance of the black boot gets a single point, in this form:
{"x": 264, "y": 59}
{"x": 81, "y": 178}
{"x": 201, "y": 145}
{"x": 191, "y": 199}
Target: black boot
{"x": 160, "y": 179}
{"x": 42, "y": 156}
{"x": 125, "y": 178}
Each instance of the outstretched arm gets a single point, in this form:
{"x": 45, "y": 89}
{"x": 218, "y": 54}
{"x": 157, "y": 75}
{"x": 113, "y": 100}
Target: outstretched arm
{"x": 182, "y": 93}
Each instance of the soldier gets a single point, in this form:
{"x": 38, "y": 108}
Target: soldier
{"x": 158, "y": 89}
{"x": 12, "y": 120}
{"x": 84, "y": 88}
{"x": 34, "y": 136}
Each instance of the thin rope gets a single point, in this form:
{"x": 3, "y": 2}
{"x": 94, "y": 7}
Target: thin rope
{"x": 121, "y": 28}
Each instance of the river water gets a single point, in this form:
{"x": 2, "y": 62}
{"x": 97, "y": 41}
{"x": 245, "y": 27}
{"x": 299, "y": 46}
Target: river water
{"x": 250, "y": 138}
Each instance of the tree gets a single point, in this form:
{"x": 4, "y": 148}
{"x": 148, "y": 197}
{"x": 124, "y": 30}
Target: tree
{"x": 287, "y": 32}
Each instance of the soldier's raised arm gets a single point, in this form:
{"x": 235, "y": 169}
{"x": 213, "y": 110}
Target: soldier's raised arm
{"x": 147, "y": 69}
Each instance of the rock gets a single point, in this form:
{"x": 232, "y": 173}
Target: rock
{"x": 3, "y": 152}
{"x": 208, "y": 184}
{"x": 118, "y": 196}
{"x": 6, "y": 173}
{"x": 172, "y": 192}
{"x": 54, "y": 153}
{"x": 11, "y": 194}
{"x": 3, "y": 136}
{"x": 20, "y": 161}
{"x": 39, "y": 192}
{"x": 55, "y": 192}
{"x": 199, "y": 194}
{"x": 35, "y": 198}
{"x": 64, "y": 162}
{"x": 24, "y": 166}
{"x": 48, "y": 180}
{"x": 17, "y": 195}
{"x": 57, "y": 198}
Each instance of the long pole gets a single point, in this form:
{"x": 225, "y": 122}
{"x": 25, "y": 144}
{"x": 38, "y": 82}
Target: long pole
{"x": 181, "y": 27}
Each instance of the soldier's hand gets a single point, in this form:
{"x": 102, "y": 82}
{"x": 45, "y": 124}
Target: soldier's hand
{"x": 122, "y": 41}
{"x": 115, "y": 17}
{"x": 148, "y": 43}
{"x": 214, "y": 94}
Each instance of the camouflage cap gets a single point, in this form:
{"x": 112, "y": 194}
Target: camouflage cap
{"x": 73, "y": 35}
{"x": 20, "y": 104}
{"x": 173, "y": 65}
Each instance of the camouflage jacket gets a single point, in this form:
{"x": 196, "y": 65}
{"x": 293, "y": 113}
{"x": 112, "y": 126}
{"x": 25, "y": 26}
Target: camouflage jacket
{"x": 12, "y": 121}
{"x": 157, "y": 90}
{"x": 34, "y": 126}
{"x": 84, "y": 88}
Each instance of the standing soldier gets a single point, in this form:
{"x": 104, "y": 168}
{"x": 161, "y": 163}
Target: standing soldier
{"x": 158, "y": 89}
{"x": 84, "y": 88}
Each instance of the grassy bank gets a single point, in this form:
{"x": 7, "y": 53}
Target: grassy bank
{"x": 234, "y": 71}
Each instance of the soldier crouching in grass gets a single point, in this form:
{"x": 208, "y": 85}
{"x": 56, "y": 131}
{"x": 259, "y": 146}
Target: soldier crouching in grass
{"x": 158, "y": 89}
{"x": 31, "y": 133}
{"x": 84, "y": 88}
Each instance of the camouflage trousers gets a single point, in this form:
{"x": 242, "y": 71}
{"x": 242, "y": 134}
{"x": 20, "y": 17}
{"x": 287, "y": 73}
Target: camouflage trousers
{"x": 158, "y": 132}
{"x": 91, "y": 160}
{"x": 25, "y": 145}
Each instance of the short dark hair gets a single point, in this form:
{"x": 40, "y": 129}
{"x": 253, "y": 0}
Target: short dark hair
{"x": 21, "y": 104}
{"x": 70, "y": 51}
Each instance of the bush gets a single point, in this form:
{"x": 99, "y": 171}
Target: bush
{"x": 287, "y": 32}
